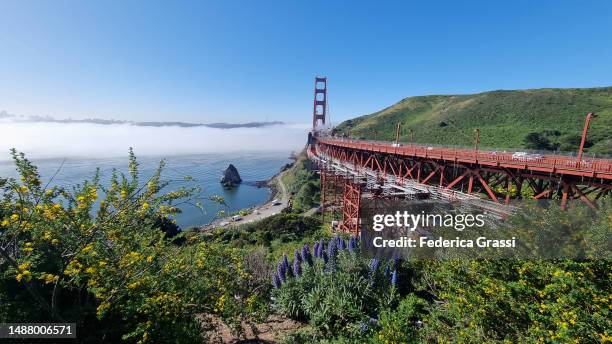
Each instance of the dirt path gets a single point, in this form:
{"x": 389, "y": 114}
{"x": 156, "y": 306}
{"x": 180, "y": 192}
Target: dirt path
{"x": 260, "y": 212}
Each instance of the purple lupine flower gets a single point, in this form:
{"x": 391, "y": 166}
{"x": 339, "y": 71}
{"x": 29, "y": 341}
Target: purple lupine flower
{"x": 296, "y": 256}
{"x": 341, "y": 244}
{"x": 286, "y": 262}
{"x": 281, "y": 271}
{"x": 352, "y": 245}
{"x": 373, "y": 266}
{"x": 297, "y": 267}
{"x": 316, "y": 249}
{"x": 321, "y": 248}
{"x": 396, "y": 262}
{"x": 332, "y": 248}
{"x": 276, "y": 282}
{"x": 306, "y": 254}
{"x": 394, "y": 278}
{"x": 290, "y": 270}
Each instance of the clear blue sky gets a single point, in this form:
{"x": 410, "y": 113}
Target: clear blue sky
{"x": 237, "y": 61}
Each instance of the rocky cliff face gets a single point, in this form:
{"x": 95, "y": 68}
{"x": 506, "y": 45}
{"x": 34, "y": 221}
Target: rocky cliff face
{"x": 231, "y": 177}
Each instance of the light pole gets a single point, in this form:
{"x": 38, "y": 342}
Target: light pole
{"x": 587, "y": 121}
{"x": 411, "y": 135}
{"x": 476, "y": 138}
{"x": 397, "y": 132}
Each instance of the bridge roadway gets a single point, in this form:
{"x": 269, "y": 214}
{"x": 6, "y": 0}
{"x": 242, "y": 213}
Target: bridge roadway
{"x": 547, "y": 164}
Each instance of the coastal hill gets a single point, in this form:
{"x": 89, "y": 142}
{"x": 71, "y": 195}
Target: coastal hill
{"x": 543, "y": 119}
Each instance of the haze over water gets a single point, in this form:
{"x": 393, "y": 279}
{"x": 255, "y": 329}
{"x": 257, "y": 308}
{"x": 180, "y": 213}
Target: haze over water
{"x": 202, "y": 153}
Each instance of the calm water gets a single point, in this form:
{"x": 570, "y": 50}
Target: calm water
{"x": 206, "y": 169}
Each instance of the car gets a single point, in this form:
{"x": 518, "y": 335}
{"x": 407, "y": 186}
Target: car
{"x": 396, "y": 145}
{"x": 524, "y": 156}
{"x": 236, "y": 217}
{"x": 276, "y": 202}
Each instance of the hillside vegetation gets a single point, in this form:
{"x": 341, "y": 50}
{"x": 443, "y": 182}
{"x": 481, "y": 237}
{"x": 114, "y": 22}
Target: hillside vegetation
{"x": 545, "y": 119}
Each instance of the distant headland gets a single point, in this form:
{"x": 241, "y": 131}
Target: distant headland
{"x": 49, "y": 119}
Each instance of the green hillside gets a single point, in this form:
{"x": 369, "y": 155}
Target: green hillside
{"x": 549, "y": 119}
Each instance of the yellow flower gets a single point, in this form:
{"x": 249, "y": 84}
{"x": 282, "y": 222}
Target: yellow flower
{"x": 145, "y": 206}
{"x": 55, "y": 241}
{"x": 50, "y": 278}
{"x": 15, "y": 217}
{"x": 102, "y": 308}
{"x": 149, "y": 259}
{"x": 5, "y": 223}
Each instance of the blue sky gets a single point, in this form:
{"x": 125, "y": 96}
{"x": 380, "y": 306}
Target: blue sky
{"x": 236, "y": 61}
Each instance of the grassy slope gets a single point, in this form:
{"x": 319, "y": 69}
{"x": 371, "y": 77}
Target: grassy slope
{"x": 504, "y": 117}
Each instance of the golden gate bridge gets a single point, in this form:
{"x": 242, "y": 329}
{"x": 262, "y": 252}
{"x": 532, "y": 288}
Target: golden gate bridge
{"x": 353, "y": 169}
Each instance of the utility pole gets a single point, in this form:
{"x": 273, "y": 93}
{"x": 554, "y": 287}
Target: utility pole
{"x": 397, "y": 132}
{"x": 476, "y": 138}
{"x": 587, "y": 121}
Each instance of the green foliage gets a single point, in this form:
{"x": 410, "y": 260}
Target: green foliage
{"x": 505, "y": 118}
{"x": 401, "y": 325}
{"x": 303, "y": 184}
{"x": 109, "y": 264}
{"x": 337, "y": 296}
{"x": 541, "y": 141}
{"x": 269, "y": 232}
{"x": 465, "y": 300}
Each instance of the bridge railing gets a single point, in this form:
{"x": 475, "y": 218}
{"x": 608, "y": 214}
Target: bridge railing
{"x": 513, "y": 157}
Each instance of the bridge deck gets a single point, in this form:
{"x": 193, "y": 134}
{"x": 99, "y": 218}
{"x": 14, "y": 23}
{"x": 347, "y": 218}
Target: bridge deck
{"x": 556, "y": 164}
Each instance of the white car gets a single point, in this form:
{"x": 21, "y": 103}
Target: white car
{"x": 524, "y": 156}
{"x": 396, "y": 145}
{"x": 236, "y": 217}
{"x": 276, "y": 202}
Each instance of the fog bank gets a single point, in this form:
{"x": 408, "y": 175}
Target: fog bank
{"x": 58, "y": 140}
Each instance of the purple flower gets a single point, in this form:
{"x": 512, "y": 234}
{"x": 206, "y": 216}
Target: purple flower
{"x": 341, "y": 244}
{"x": 396, "y": 262}
{"x": 316, "y": 249}
{"x": 287, "y": 265}
{"x": 394, "y": 278}
{"x": 276, "y": 282}
{"x": 297, "y": 267}
{"x": 372, "y": 271}
{"x": 281, "y": 271}
{"x": 321, "y": 248}
{"x": 296, "y": 256}
{"x": 306, "y": 254}
{"x": 332, "y": 248}
{"x": 352, "y": 245}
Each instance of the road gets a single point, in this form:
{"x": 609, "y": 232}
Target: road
{"x": 260, "y": 212}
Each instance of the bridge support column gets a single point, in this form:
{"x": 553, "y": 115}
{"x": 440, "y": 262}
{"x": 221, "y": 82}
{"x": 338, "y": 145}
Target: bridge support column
{"x": 351, "y": 205}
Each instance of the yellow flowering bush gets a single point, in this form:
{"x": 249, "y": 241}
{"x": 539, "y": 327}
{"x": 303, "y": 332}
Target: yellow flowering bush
{"x": 96, "y": 255}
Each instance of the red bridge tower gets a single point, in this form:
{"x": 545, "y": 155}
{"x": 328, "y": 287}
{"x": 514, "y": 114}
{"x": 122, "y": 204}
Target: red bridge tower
{"x": 319, "y": 111}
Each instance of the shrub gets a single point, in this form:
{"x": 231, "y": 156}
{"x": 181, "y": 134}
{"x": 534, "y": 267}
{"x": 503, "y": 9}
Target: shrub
{"x": 107, "y": 263}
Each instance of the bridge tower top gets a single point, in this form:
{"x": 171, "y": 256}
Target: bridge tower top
{"x": 319, "y": 112}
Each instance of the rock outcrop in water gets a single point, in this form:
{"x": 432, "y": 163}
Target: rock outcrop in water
{"x": 230, "y": 177}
